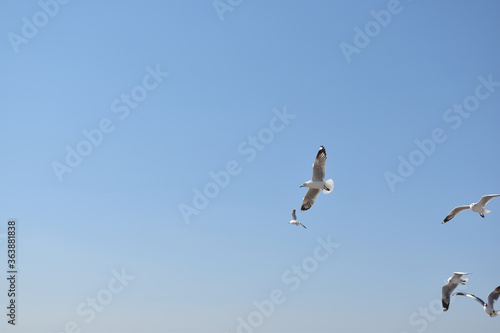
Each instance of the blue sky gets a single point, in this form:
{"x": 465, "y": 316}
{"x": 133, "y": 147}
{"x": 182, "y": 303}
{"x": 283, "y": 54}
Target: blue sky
{"x": 157, "y": 96}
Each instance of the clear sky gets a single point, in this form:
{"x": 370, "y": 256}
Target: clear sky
{"x": 152, "y": 153}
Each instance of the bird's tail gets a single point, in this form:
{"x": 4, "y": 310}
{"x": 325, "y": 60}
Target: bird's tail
{"x": 487, "y": 211}
{"x": 328, "y": 186}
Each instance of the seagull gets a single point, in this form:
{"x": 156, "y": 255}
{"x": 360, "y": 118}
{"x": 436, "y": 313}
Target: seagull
{"x": 450, "y": 286}
{"x": 477, "y": 207}
{"x": 488, "y": 307}
{"x": 318, "y": 182}
{"x": 294, "y": 220}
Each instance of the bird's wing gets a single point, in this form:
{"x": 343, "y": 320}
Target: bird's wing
{"x": 319, "y": 165}
{"x": 480, "y": 301}
{"x": 293, "y": 215}
{"x": 460, "y": 274}
{"x": 486, "y": 198}
{"x": 454, "y": 212}
{"x": 493, "y": 296}
{"x": 310, "y": 198}
{"x": 445, "y": 294}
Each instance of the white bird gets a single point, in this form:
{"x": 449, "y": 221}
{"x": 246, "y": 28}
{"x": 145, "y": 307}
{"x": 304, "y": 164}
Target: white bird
{"x": 477, "y": 207}
{"x": 317, "y": 183}
{"x": 450, "y": 286}
{"x": 488, "y": 307}
{"x": 294, "y": 220}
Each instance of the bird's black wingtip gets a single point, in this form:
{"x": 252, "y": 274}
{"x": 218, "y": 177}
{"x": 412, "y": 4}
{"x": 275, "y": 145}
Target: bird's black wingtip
{"x": 321, "y": 152}
{"x": 445, "y": 305}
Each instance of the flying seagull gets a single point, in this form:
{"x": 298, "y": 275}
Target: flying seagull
{"x": 294, "y": 220}
{"x": 318, "y": 182}
{"x": 477, "y": 207}
{"x": 488, "y": 307}
{"x": 450, "y": 286}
